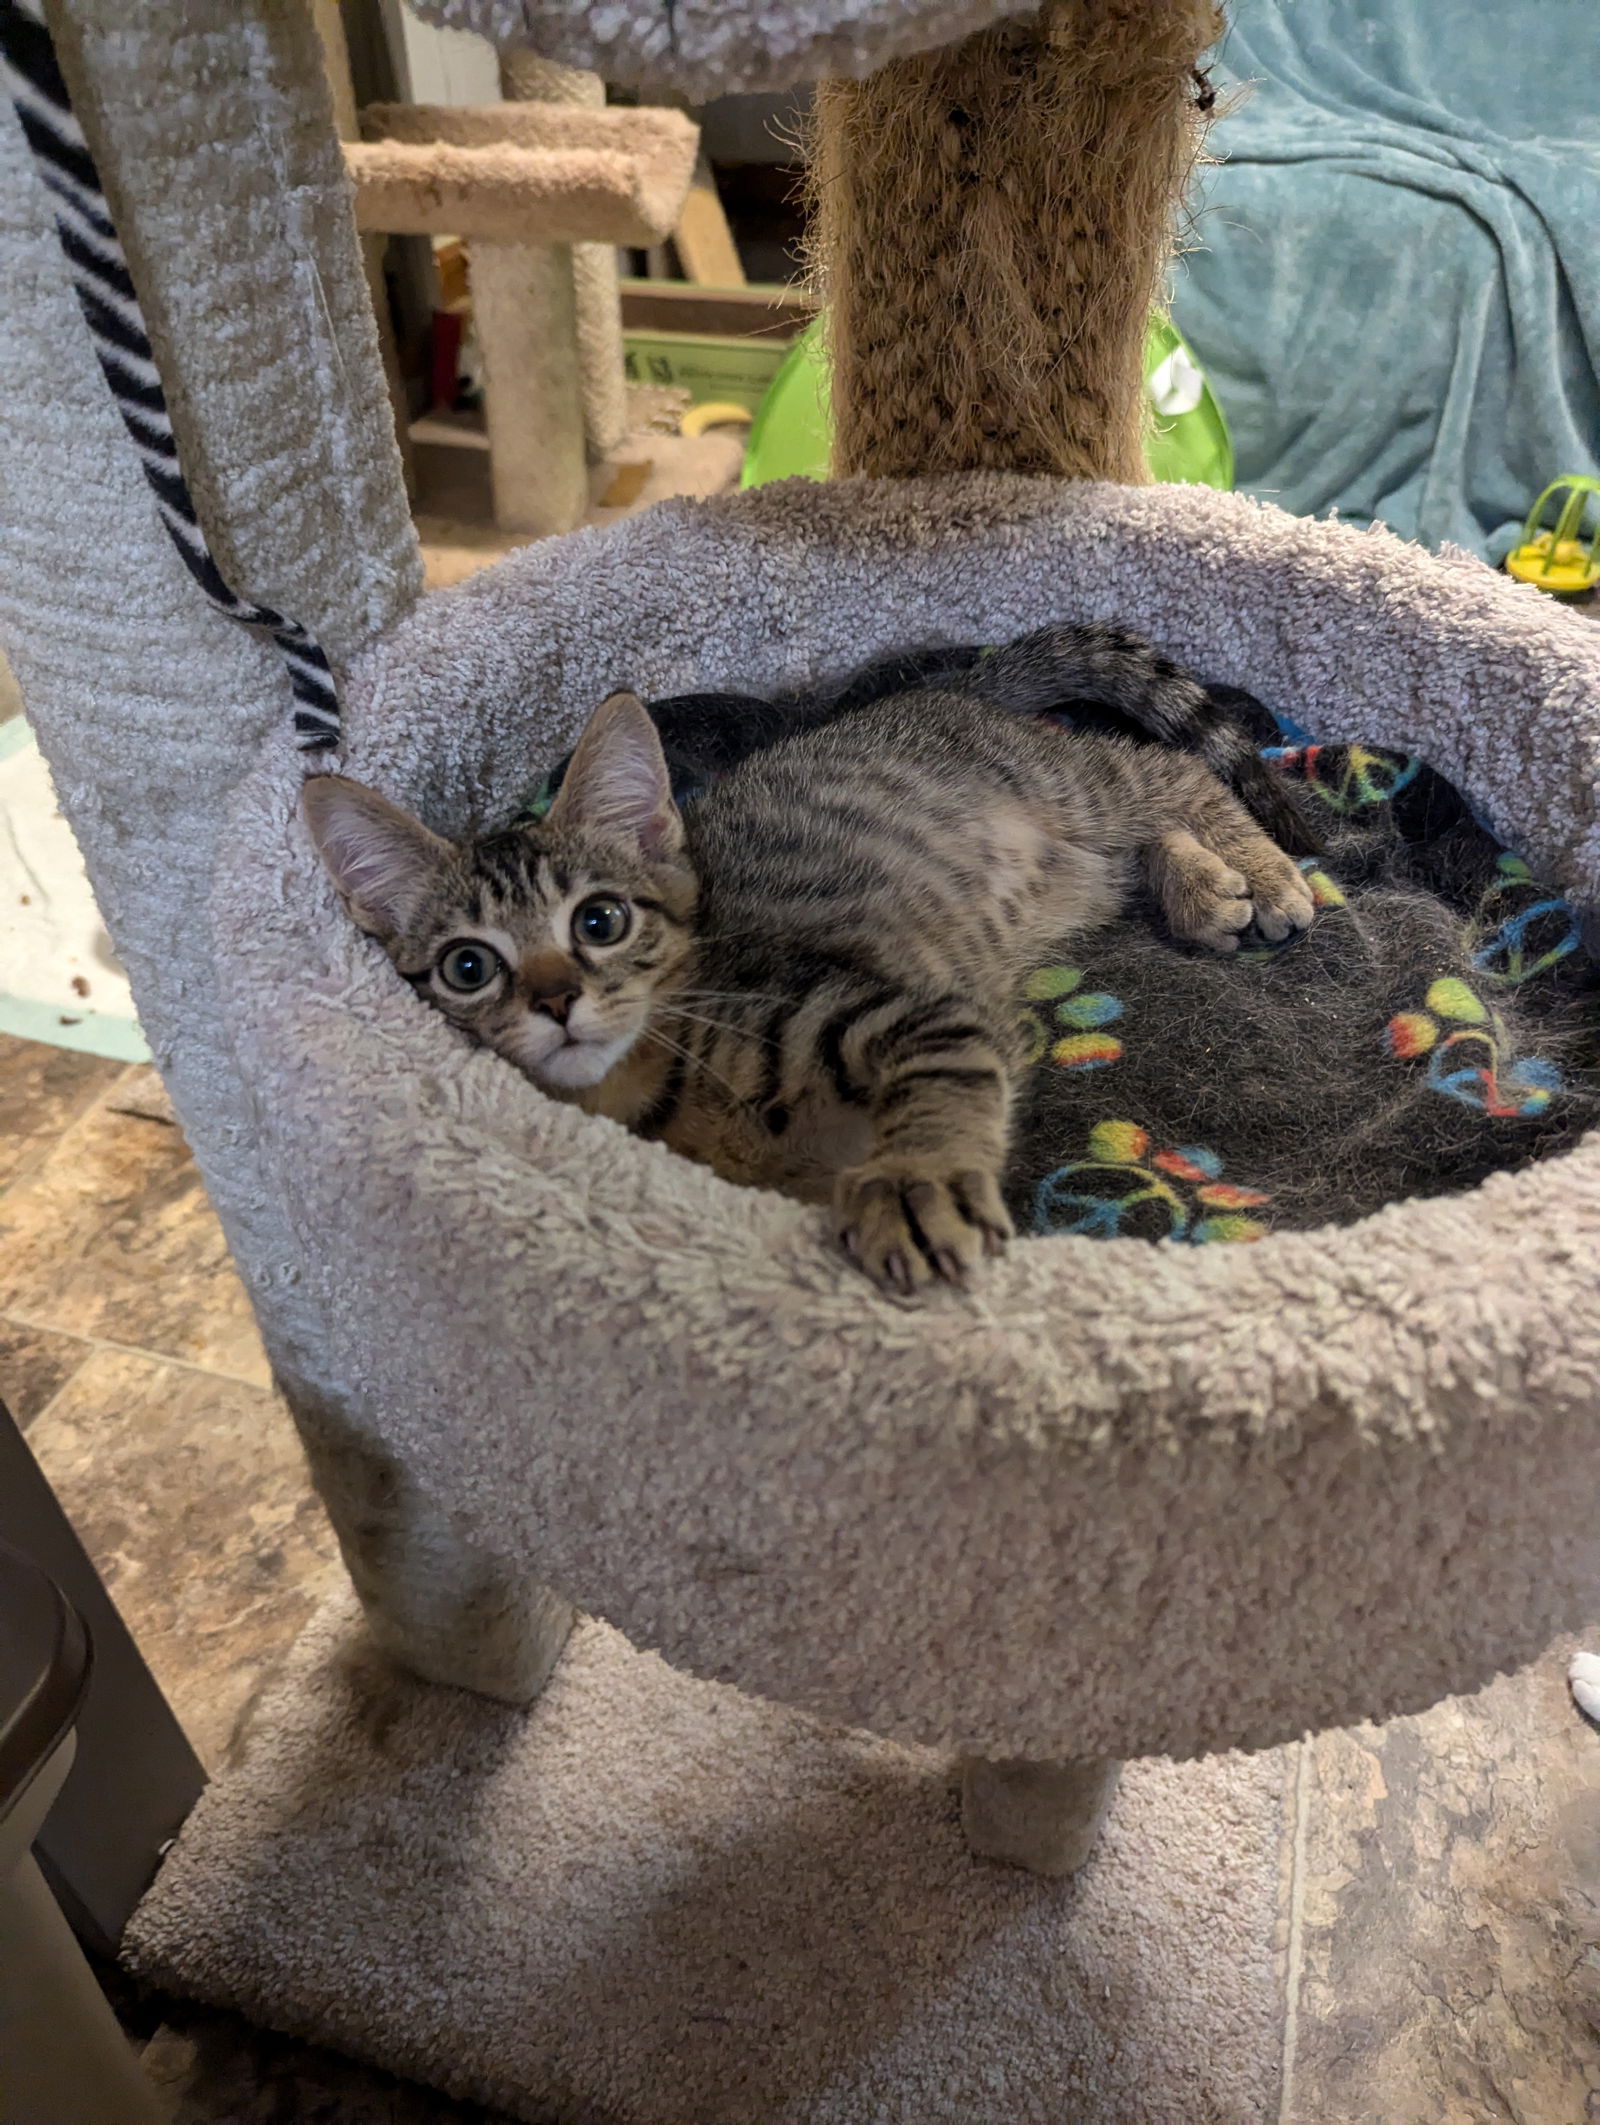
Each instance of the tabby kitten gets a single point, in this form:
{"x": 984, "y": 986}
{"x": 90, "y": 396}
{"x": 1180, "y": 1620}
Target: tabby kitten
{"x": 810, "y": 979}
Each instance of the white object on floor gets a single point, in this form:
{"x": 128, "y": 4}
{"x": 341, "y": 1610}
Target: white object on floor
{"x": 59, "y": 979}
{"x": 1583, "y": 1677}
{"x": 1177, "y": 386}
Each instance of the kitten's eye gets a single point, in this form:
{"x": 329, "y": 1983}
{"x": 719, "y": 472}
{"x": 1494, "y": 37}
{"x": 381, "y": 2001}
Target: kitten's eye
{"x": 469, "y": 967}
{"x": 602, "y": 920}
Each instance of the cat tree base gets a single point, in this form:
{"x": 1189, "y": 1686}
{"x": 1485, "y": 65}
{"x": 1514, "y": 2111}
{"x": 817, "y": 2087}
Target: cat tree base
{"x": 661, "y": 1902}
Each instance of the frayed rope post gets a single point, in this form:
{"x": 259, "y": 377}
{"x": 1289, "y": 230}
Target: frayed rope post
{"x": 991, "y": 224}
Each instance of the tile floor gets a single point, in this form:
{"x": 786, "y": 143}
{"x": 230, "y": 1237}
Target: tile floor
{"x": 129, "y": 1357}
{"x": 1442, "y": 1879}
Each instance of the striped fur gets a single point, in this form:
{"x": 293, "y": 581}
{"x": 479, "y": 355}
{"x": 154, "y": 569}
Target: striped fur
{"x": 818, "y": 990}
{"x": 1080, "y": 669}
{"x": 106, "y": 295}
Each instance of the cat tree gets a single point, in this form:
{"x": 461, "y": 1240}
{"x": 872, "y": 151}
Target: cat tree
{"x": 1123, "y": 1504}
{"x": 543, "y": 192}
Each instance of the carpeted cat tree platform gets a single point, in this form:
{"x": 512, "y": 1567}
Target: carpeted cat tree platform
{"x": 705, "y": 1862}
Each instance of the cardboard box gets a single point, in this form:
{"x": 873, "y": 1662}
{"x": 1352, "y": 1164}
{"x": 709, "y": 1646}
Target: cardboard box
{"x": 736, "y": 370}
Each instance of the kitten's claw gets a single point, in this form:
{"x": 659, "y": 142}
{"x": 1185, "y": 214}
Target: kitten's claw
{"x": 907, "y": 1227}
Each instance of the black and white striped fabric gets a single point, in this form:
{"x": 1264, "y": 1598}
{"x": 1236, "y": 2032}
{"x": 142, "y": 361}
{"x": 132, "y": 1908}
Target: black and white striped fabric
{"x": 106, "y": 294}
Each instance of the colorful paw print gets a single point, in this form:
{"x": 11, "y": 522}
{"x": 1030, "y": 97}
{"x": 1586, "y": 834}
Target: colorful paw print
{"x": 1324, "y": 891}
{"x": 1123, "y": 1189}
{"x": 1461, "y": 1038}
{"x": 1524, "y": 941}
{"x": 1347, "y": 778}
{"x": 1060, "y": 1000}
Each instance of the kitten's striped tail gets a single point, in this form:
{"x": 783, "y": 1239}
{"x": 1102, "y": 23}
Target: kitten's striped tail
{"x": 1071, "y": 668}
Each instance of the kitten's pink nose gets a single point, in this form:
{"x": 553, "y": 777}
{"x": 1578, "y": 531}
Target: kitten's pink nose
{"x": 551, "y": 983}
{"x": 558, "y": 1004}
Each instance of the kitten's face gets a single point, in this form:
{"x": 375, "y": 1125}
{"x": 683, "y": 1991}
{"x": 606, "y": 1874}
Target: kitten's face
{"x": 549, "y": 943}
{"x": 548, "y": 949}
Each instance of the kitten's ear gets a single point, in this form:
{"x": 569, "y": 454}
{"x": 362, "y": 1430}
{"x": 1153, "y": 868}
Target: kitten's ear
{"x": 383, "y": 861}
{"x": 616, "y": 785}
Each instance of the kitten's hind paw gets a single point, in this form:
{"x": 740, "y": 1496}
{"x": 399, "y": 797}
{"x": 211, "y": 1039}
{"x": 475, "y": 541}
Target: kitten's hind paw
{"x": 1279, "y": 893}
{"x": 1211, "y": 900}
{"x": 1204, "y": 898}
{"x": 908, "y": 1226}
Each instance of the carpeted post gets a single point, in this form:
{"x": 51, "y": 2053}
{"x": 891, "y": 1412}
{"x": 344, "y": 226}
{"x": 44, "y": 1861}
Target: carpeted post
{"x": 597, "y": 298}
{"x": 436, "y": 1602}
{"x": 524, "y": 306}
{"x": 1042, "y": 1816}
{"x": 212, "y": 127}
{"x": 990, "y": 226}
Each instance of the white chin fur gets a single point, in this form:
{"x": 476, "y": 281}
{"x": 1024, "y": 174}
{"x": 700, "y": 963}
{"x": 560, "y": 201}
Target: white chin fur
{"x": 580, "y": 1063}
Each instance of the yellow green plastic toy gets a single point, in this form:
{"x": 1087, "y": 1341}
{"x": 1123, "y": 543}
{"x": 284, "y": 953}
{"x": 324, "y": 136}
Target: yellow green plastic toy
{"x": 1556, "y": 557}
{"x": 1190, "y": 441}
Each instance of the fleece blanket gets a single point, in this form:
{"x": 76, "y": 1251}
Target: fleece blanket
{"x": 1438, "y": 1021}
{"x": 1396, "y": 289}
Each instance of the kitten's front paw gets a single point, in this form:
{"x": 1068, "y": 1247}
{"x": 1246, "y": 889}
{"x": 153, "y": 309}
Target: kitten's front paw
{"x": 907, "y": 1225}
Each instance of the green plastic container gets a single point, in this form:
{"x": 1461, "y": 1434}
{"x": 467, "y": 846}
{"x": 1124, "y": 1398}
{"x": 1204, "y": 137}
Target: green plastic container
{"x": 1190, "y": 443}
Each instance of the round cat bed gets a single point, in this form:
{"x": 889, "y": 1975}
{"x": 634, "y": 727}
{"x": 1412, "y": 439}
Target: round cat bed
{"x": 1120, "y": 1500}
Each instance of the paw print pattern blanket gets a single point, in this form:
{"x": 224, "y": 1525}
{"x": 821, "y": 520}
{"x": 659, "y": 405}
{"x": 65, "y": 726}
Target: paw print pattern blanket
{"x": 1439, "y": 1021}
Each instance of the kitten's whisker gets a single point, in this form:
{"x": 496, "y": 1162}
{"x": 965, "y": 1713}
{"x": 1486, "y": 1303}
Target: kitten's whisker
{"x": 717, "y": 1025}
{"x": 695, "y": 1062}
{"x": 730, "y": 995}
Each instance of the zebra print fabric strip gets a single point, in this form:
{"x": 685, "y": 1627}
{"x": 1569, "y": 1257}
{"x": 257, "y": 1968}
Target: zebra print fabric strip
{"x": 110, "y": 305}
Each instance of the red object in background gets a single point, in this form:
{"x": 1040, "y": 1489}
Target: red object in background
{"x": 447, "y": 328}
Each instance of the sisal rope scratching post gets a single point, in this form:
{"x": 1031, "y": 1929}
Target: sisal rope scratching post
{"x": 991, "y": 222}
{"x": 596, "y": 295}
{"x": 990, "y": 225}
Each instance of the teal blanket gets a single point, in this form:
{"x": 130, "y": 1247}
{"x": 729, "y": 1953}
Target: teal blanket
{"x": 1397, "y": 301}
